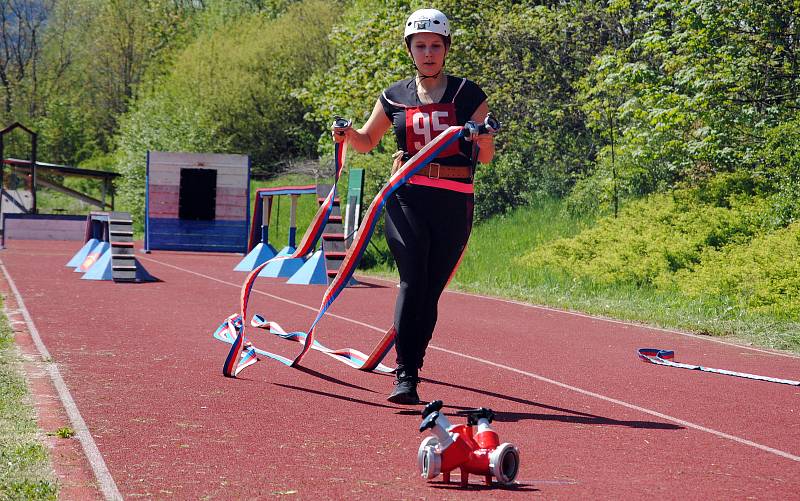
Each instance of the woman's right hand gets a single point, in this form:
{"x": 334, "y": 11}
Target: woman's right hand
{"x": 341, "y": 133}
{"x": 367, "y": 137}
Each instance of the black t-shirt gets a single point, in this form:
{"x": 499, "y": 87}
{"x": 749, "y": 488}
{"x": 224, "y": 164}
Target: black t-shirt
{"x": 415, "y": 124}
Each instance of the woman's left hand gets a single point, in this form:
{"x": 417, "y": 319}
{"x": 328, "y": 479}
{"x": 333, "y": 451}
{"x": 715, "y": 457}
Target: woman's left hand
{"x": 485, "y": 142}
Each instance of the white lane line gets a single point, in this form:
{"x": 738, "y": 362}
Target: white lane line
{"x": 610, "y": 320}
{"x": 273, "y": 296}
{"x": 635, "y": 407}
{"x": 588, "y": 393}
{"x": 107, "y": 485}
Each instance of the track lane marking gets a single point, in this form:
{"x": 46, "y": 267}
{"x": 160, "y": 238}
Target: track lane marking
{"x": 622, "y": 403}
{"x": 610, "y": 320}
{"x": 106, "y": 482}
{"x": 666, "y": 417}
{"x": 273, "y": 296}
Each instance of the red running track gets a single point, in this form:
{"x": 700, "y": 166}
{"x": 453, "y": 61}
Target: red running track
{"x": 590, "y": 419}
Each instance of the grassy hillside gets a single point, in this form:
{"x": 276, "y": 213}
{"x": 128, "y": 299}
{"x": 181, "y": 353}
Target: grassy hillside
{"x": 668, "y": 260}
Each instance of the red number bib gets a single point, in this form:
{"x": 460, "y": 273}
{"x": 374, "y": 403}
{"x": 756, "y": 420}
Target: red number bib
{"x": 428, "y": 121}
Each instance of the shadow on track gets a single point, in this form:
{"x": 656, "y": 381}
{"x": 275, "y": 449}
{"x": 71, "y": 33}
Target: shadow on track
{"x": 331, "y": 379}
{"x": 559, "y": 414}
{"x": 482, "y": 487}
{"x": 368, "y": 285}
{"x": 339, "y": 397}
{"x": 564, "y": 415}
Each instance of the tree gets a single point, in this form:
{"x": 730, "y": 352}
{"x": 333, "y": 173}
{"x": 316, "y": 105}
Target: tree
{"x": 21, "y": 24}
{"x": 697, "y": 89}
{"x": 231, "y": 90}
{"x": 96, "y": 54}
{"x": 527, "y": 56}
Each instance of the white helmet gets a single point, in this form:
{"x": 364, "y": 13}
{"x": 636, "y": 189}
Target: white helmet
{"x": 427, "y": 21}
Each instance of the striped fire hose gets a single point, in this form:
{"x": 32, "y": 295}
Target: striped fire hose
{"x": 665, "y": 357}
{"x": 243, "y": 353}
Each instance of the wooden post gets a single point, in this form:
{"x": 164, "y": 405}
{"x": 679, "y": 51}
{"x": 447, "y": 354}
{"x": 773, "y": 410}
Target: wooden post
{"x": 33, "y": 172}
{"x": 265, "y": 214}
{"x": 293, "y": 221}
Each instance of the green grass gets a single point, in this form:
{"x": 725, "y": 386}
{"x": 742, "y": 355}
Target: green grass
{"x": 493, "y": 266}
{"x": 24, "y": 464}
{"x": 496, "y": 243}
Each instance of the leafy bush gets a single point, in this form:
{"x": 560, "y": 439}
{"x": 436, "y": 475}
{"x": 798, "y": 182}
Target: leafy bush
{"x": 526, "y": 57}
{"x": 694, "y": 91}
{"x": 724, "y": 188}
{"x": 652, "y": 239}
{"x": 762, "y": 276}
{"x": 714, "y": 245}
{"x": 65, "y": 134}
{"x": 243, "y": 75}
{"x": 782, "y": 162}
{"x": 501, "y": 185}
{"x": 592, "y": 195}
{"x": 368, "y": 55}
{"x": 158, "y": 124}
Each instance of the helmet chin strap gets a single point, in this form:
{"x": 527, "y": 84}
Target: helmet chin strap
{"x": 423, "y": 77}
{"x": 419, "y": 77}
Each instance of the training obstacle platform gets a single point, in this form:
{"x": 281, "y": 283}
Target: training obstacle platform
{"x": 124, "y": 265}
{"x": 323, "y": 264}
{"x": 259, "y": 248}
{"x": 48, "y": 176}
{"x": 338, "y": 233}
{"x": 20, "y": 218}
{"x": 95, "y": 230}
{"x": 312, "y": 272}
{"x": 18, "y": 226}
{"x": 80, "y": 256}
{"x": 334, "y": 247}
{"x": 197, "y": 202}
{"x": 100, "y": 269}
{"x": 282, "y": 267}
{"x": 108, "y": 253}
{"x": 96, "y": 246}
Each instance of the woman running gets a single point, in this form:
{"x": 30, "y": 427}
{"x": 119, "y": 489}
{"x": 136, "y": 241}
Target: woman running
{"x": 428, "y": 220}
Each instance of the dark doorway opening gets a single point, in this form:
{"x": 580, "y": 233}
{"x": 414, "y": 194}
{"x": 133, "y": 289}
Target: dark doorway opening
{"x": 198, "y": 196}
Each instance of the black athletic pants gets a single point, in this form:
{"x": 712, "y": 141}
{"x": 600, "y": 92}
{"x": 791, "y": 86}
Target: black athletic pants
{"x": 427, "y": 230}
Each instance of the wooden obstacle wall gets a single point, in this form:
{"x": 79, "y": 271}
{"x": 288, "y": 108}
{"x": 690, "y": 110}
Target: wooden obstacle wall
{"x": 42, "y": 227}
{"x": 182, "y": 212}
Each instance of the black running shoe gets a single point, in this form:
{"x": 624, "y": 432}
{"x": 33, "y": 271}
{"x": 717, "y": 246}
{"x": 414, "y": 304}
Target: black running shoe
{"x": 405, "y": 389}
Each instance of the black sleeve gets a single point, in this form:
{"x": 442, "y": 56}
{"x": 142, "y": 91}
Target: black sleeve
{"x": 395, "y": 97}
{"x": 388, "y": 108}
{"x": 469, "y": 98}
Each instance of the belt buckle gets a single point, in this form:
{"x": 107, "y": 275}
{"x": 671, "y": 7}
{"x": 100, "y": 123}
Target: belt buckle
{"x": 438, "y": 170}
